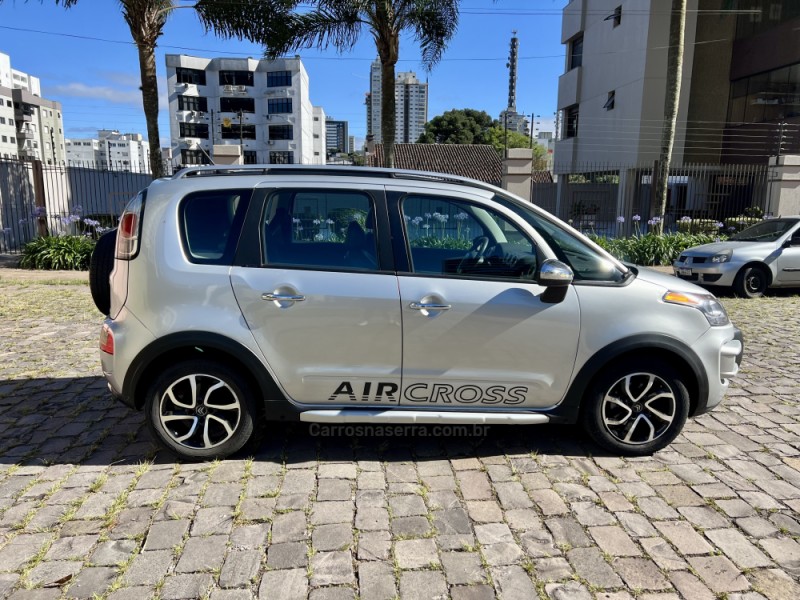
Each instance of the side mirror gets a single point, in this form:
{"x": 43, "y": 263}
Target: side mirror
{"x": 556, "y": 277}
{"x": 792, "y": 242}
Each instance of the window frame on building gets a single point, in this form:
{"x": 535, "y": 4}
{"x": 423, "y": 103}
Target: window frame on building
{"x": 279, "y": 79}
{"x": 190, "y": 76}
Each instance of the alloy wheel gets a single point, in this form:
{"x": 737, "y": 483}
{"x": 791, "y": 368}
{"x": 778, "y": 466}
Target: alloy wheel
{"x": 200, "y": 411}
{"x": 639, "y": 408}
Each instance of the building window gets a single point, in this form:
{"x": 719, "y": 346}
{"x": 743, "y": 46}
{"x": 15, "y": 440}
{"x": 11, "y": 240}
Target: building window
{"x": 281, "y": 158}
{"x": 576, "y": 52}
{"x": 250, "y": 157}
{"x": 571, "y": 121}
{"x": 193, "y": 103}
{"x": 281, "y": 132}
{"x": 235, "y": 105}
{"x": 279, "y": 105}
{"x": 193, "y": 130}
{"x": 279, "y": 78}
{"x": 616, "y": 16}
{"x": 766, "y": 97}
{"x": 194, "y": 157}
{"x": 193, "y": 76}
{"x": 5, "y": 139}
{"x": 609, "y": 105}
{"x": 236, "y": 131}
{"x": 12, "y": 139}
{"x": 236, "y": 78}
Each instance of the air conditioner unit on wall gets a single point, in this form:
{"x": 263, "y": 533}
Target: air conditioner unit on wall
{"x": 227, "y": 88}
{"x": 271, "y": 142}
{"x": 240, "y": 88}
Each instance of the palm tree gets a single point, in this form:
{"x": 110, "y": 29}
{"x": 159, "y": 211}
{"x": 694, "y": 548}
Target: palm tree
{"x": 674, "y": 75}
{"x": 146, "y": 20}
{"x": 338, "y": 23}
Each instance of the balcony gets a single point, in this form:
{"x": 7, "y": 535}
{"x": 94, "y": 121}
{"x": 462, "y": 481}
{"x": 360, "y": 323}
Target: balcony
{"x": 26, "y": 134}
{"x": 235, "y": 90}
{"x": 572, "y": 20}
{"x": 279, "y": 92}
{"x": 277, "y": 118}
{"x": 569, "y": 88}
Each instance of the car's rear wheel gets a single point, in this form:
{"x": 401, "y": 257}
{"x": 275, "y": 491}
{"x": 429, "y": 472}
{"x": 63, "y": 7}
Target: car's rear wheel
{"x": 201, "y": 410}
{"x": 100, "y": 267}
{"x": 751, "y": 282}
{"x": 636, "y": 408}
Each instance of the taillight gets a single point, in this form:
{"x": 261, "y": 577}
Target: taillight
{"x": 106, "y": 339}
{"x": 128, "y": 231}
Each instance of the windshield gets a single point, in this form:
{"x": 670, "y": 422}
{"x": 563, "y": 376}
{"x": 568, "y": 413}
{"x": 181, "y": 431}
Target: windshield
{"x": 587, "y": 263}
{"x": 766, "y": 231}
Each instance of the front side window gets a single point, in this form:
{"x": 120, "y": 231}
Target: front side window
{"x": 320, "y": 229}
{"x": 236, "y": 131}
{"x": 576, "y": 52}
{"x": 587, "y": 263}
{"x": 448, "y": 236}
{"x": 281, "y": 132}
{"x": 210, "y": 223}
{"x": 571, "y": 121}
{"x": 193, "y": 130}
{"x": 235, "y": 105}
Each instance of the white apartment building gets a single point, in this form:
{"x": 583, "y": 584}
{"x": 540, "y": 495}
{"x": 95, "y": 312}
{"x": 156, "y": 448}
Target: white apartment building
{"x": 411, "y": 97}
{"x": 31, "y": 127}
{"x": 611, "y": 95}
{"x": 110, "y": 150}
{"x": 261, "y": 106}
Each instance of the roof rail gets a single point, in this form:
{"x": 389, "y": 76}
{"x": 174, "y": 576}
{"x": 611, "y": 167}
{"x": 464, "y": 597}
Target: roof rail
{"x": 339, "y": 171}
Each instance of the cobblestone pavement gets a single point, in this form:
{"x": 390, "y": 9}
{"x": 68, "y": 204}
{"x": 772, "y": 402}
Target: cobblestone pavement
{"x": 88, "y": 508}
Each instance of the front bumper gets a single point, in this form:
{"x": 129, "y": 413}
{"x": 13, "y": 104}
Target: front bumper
{"x": 721, "y": 354}
{"x": 722, "y": 274}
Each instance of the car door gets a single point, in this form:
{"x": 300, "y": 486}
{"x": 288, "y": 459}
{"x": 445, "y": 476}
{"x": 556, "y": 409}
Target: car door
{"x": 477, "y": 333}
{"x": 789, "y": 260}
{"x": 318, "y": 290}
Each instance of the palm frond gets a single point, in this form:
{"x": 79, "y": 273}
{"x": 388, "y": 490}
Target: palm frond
{"x": 434, "y": 23}
{"x": 336, "y": 24}
{"x": 254, "y": 20}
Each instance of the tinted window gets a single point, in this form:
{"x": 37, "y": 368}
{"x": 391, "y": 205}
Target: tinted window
{"x": 211, "y": 222}
{"x": 279, "y": 78}
{"x": 324, "y": 229}
{"x": 766, "y": 231}
{"x": 452, "y": 237}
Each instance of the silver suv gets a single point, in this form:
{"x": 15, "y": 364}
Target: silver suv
{"x": 354, "y": 295}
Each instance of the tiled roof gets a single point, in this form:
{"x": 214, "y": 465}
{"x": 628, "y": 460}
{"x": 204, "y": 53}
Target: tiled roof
{"x": 541, "y": 177}
{"x": 477, "y": 161}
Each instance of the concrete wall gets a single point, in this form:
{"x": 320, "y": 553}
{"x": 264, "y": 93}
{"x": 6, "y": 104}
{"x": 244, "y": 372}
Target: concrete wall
{"x": 784, "y": 185}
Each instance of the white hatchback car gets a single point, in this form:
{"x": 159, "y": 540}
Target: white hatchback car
{"x": 334, "y": 295}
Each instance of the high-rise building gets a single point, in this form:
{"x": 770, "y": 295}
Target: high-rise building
{"x": 262, "y": 106}
{"x": 31, "y": 127}
{"x": 110, "y": 150}
{"x": 411, "y": 97}
{"x": 740, "y": 92}
{"x": 336, "y": 136}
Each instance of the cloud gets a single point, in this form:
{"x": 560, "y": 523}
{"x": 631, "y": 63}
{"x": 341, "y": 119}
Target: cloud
{"x": 123, "y": 79}
{"x": 96, "y": 92}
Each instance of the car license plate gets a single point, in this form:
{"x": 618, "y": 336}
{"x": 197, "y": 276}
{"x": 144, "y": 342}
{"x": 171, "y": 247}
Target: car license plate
{"x": 685, "y": 272}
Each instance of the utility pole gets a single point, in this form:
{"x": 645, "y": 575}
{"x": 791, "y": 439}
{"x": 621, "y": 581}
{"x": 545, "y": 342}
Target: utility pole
{"x": 241, "y": 136}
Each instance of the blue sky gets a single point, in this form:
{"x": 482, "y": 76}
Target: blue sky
{"x": 97, "y": 81}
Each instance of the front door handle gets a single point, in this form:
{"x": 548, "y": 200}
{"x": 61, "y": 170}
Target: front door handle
{"x": 429, "y": 306}
{"x": 282, "y": 297}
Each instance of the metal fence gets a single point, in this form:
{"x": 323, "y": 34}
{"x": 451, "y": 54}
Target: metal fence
{"x": 38, "y": 199}
{"x": 619, "y": 201}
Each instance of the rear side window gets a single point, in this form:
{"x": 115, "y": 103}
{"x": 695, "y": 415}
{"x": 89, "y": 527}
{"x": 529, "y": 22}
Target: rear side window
{"x": 320, "y": 229}
{"x": 211, "y": 222}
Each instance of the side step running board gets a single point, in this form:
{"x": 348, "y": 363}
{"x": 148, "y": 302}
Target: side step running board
{"x": 399, "y": 416}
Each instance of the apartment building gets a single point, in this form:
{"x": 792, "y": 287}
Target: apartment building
{"x": 336, "y": 136}
{"x": 261, "y": 106}
{"x": 110, "y": 150}
{"x": 740, "y": 94}
{"x": 31, "y": 127}
{"x": 411, "y": 97}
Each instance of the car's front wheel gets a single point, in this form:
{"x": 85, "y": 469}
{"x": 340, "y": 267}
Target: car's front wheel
{"x": 201, "y": 410}
{"x": 751, "y": 282}
{"x": 636, "y": 408}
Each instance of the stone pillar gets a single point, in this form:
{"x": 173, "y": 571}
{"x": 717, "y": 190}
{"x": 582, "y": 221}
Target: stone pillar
{"x": 517, "y": 170}
{"x": 783, "y": 185}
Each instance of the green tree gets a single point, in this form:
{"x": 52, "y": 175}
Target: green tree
{"x": 146, "y": 20}
{"x": 496, "y": 136}
{"x": 458, "y": 126}
{"x": 339, "y": 23}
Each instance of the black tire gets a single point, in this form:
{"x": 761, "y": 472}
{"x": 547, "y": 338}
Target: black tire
{"x": 651, "y": 391}
{"x": 193, "y": 430}
{"x": 751, "y": 282}
{"x": 100, "y": 266}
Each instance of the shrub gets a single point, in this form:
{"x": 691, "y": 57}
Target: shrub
{"x": 736, "y": 224}
{"x": 67, "y": 252}
{"x": 652, "y": 249}
{"x": 689, "y": 225}
{"x": 447, "y": 242}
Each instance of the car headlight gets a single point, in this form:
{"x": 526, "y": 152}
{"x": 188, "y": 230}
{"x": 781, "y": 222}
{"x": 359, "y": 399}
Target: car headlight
{"x": 722, "y": 257}
{"x": 705, "y": 303}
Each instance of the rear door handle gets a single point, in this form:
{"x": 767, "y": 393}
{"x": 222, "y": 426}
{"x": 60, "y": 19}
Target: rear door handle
{"x": 429, "y": 306}
{"x": 282, "y": 297}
